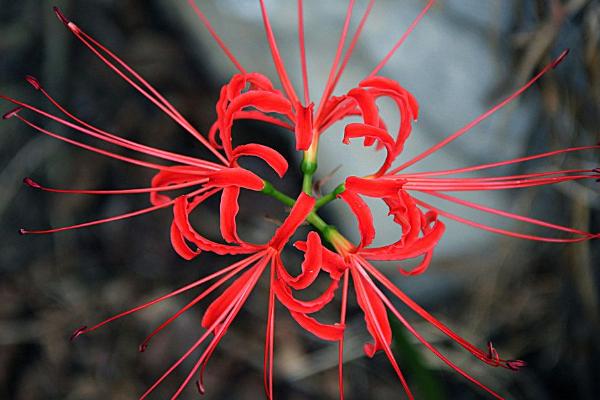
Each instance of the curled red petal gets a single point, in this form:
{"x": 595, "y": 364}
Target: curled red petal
{"x": 173, "y": 176}
{"x": 221, "y": 303}
{"x": 399, "y": 251}
{"x": 367, "y": 106}
{"x": 419, "y": 269}
{"x": 333, "y": 332}
{"x": 265, "y": 101}
{"x": 285, "y": 296}
{"x": 374, "y": 187}
{"x": 376, "y": 317}
{"x": 229, "y": 209}
{"x": 181, "y": 211}
{"x": 311, "y": 266}
{"x": 332, "y": 263}
{"x": 303, "y": 206}
{"x": 180, "y": 246}
{"x": 269, "y": 155}
{"x": 239, "y": 177}
{"x": 304, "y": 126}
{"x": 356, "y": 130}
{"x": 363, "y": 214}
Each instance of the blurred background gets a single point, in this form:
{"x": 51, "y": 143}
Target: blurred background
{"x": 537, "y": 302}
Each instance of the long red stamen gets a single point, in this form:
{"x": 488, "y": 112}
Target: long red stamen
{"x": 343, "y": 309}
{"x": 353, "y": 42}
{"x": 110, "y": 219}
{"x": 474, "y": 184}
{"x": 215, "y": 36}
{"x": 405, "y": 35}
{"x": 237, "y": 305}
{"x": 165, "y": 155}
{"x": 420, "y": 178}
{"x": 499, "y": 163}
{"x": 127, "y": 143}
{"x": 31, "y": 183}
{"x": 483, "y": 356}
{"x": 369, "y": 313}
{"x": 269, "y": 337}
{"x": 502, "y": 231}
{"x": 88, "y": 147}
{"x": 421, "y": 339}
{"x": 193, "y": 348}
{"x": 506, "y": 214}
{"x": 303, "y": 52}
{"x": 154, "y": 96}
{"x": 277, "y": 60}
{"x": 485, "y": 115}
{"x": 239, "y": 267}
{"x": 84, "y": 330}
{"x": 329, "y": 85}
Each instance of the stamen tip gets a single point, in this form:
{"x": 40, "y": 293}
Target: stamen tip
{"x": 12, "y": 113}
{"x": 560, "y": 58}
{"x": 33, "y": 81}
{"x": 200, "y": 387}
{"x": 142, "y": 347}
{"x": 31, "y": 183}
{"x": 60, "y": 15}
{"x": 78, "y": 332}
{"x": 23, "y": 231}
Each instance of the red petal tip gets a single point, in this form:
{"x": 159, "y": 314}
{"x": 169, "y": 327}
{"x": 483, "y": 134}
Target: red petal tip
{"x": 78, "y": 332}
{"x": 200, "y": 387}
{"x": 560, "y": 58}
{"x": 31, "y": 183}
{"x": 12, "y": 113}
{"x": 60, "y": 15}
{"x": 33, "y": 81}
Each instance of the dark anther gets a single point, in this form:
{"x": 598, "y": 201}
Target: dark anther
{"x": 78, "y": 332}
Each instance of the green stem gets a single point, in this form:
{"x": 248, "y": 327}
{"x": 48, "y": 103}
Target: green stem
{"x": 328, "y": 231}
{"x": 308, "y": 168}
{"x": 328, "y": 198}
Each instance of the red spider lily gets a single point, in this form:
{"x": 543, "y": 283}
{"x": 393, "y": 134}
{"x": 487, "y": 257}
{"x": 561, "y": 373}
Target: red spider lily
{"x": 250, "y": 95}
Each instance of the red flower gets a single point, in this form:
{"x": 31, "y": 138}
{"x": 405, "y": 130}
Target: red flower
{"x": 250, "y": 95}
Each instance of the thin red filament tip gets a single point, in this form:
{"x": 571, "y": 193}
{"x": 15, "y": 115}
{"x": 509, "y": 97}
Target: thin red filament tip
{"x": 78, "y": 332}
{"x": 33, "y": 81}
{"x": 31, "y": 183}
{"x": 200, "y": 387}
{"x": 61, "y": 16}
{"x": 12, "y": 113}
{"x": 560, "y": 58}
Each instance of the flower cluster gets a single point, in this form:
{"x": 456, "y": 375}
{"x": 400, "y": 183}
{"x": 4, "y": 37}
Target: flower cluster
{"x": 327, "y": 253}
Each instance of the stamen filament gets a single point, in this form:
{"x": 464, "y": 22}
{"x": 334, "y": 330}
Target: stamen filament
{"x": 277, "y": 60}
{"x": 110, "y": 219}
{"x": 154, "y": 96}
{"x": 421, "y": 339}
{"x": 509, "y": 215}
{"x": 31, "y": 183}
{"x": 499, "y": 230}
{"x": 215, "y": 36}
{"x": 303, "y": 52}
{"x": 499, "y": 163}
{"x": 485, "y": 115}
{"x": 405, "y": 35}
{"x": 329, "y": 85}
